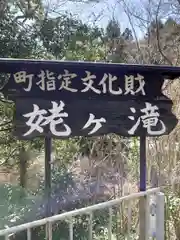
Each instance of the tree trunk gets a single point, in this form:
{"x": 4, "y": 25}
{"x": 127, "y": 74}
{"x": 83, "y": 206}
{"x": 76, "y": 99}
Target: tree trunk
{"x": 23, "y": 165}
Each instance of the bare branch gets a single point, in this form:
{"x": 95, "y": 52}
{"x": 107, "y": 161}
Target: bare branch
{"x": 6, "y": 129}
{"x": 126, "y": 9}
{"x": 6, "y": 123}
{"x": 158, "y": 37}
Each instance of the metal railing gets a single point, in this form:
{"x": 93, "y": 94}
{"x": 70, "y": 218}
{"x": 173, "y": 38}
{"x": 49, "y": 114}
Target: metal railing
{"x": 129, "y": 199}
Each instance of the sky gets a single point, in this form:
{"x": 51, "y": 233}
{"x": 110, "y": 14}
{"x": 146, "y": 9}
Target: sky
{"x": 102, "y": 12}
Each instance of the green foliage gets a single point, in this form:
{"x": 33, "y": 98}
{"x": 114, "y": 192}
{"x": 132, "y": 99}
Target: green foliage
{"x": 113, "y": 29}
{"x": 12, "y": 207}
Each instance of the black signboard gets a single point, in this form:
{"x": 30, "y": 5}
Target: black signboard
{"x": 53, "y": 80}
{"x": 63, "y": 99}
{"x": 63, "y": 119}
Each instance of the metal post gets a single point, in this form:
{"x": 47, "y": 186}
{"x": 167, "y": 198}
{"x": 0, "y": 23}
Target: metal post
{"x": 142, "y": 202}
{"x": 142, "y": 163}
{"x": 160, "y": 200}
{"x": 48, "y": 145}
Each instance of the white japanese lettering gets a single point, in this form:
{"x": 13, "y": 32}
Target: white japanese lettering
{"x": 110, "y": 79}
{"x": 150, "y": 119}
{"x": 130, "y": 84}
{"x": 47, "y": 81}
{"x": 88, "y": 82}
{"x": 97, "y": 122}
{"x": 66, "y": 81}
{"x": 22, "y": 77}
{"x": 40, "y": 117}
